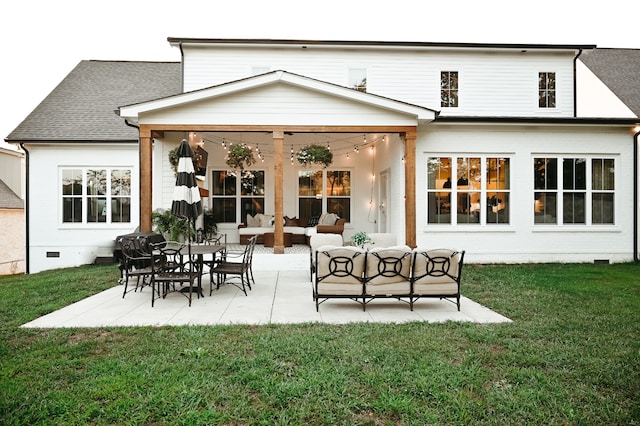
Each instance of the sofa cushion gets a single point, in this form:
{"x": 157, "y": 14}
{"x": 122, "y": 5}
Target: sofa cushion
{"x": 313, "y": 221}
{"x": 328, "y": 219}
{"x": 264, "y": 220}
{"x": 258, "y": 230}
{"x": 253, "y": 221}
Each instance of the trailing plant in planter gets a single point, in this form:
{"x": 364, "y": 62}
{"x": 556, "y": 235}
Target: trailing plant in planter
{"x": 240, "y": 156}
{"x": 173, "y": 159}
{"x": 315, "y": 154}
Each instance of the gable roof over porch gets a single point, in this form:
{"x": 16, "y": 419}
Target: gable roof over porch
{"x": 278, "y": 102}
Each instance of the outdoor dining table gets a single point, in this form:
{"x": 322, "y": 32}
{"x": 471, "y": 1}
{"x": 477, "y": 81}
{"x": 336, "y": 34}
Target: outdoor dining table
{"x": 198, "y": 251}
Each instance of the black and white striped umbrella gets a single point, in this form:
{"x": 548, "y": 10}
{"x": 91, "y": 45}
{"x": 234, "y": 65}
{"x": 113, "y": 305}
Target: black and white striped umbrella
{"x": 186, "y": 195}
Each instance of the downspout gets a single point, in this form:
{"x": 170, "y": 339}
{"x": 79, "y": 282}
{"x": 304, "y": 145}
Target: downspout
{"x": 635, "y": 194}
{"x": 26, "y": 209}
{"x": 575, "y": 84}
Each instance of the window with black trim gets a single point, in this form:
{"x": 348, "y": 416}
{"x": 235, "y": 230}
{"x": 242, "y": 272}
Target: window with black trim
{"x": 322, "y": 191}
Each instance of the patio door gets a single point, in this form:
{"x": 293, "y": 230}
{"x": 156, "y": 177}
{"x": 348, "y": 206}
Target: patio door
{"x": 383, "y": 210}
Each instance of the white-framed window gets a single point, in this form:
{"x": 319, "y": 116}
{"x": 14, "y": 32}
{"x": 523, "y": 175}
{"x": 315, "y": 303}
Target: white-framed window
{"x": 358, "y": 79}
{"x": 574, "y": 189}
{"x": 546, "y": 89}
{"x": 235, "y": 194}
{"x": 322, "y": 191}
{"x": 463, "y": 190}
{"x": 95, "y": 194}
{"x": 449, "y": 89}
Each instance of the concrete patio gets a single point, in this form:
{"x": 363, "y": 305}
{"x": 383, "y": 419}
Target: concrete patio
{"x": 282, "y": 295}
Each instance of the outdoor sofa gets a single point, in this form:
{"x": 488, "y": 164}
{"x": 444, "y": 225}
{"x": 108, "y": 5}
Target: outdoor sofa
{"x": 300, "y": 228}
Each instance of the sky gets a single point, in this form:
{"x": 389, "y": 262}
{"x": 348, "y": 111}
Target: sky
{"x": 44, "y": 40}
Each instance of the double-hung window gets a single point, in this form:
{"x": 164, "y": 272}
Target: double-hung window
{"x": 449, "y": 89}
{"x": 574, "y": 190}
{"x": 468, "y": 190}
{"x": 96, "y": 195}
{"x": 547, "y": 90}
{"x": 324, "y": 191}
{"x": 235, "y": 194}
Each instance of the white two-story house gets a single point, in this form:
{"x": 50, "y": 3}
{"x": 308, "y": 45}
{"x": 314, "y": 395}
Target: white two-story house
{"x": 515, "y": 153}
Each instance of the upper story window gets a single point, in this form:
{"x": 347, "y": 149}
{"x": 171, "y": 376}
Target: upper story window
{"x": 547, "y": 90}
{"x": 358, "y": 79}
{"x": 468, "y": 190}
{"x": 449, "y": 89}
{"x": 96, "y": 195}
{"x": 237, "y": 193}
{"x": 564, "y": 196}
{"x": 322, "y": 191}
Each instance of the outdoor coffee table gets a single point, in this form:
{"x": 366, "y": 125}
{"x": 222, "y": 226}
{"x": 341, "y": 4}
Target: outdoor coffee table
{"x": 270, "y": 236}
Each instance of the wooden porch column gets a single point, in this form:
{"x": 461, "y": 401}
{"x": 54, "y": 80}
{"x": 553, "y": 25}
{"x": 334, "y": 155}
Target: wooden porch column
{"x": 410, "y": 188}
{"x": 278, "y": 189}
{"x": 146, "y": 161}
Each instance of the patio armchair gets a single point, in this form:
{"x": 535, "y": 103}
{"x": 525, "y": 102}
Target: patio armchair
{"x": 167, "y": 270}
{"x": 135, "y": 263}
{"x": 217, "y": 239}
{"x": 339, "y": 274}
{"x": 235, "y": 265}
{"x": 436, "y": 273}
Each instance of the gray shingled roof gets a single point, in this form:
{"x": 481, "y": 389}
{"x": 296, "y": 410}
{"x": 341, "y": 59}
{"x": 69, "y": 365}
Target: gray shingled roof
{"x": 8, "y": 198}
{"x": 619, "y": 69}
{"x": 81, "y": 107}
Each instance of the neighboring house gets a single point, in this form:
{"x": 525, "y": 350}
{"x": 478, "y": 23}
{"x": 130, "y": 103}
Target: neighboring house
{"x": 12, "y": 224}
{"x": 516, "y": 153}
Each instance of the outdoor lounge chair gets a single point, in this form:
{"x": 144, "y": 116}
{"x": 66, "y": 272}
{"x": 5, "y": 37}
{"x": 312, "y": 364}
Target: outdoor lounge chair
{"x": 319, "y": 240}
{"x": 436, "y": 273}
{"x": 388, "y": 273}
{"x": 339, "y": 274}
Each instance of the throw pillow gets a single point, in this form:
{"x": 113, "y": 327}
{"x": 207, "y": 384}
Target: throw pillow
{"x": 252, "y": 222}
{"x": 313, "y": 221}
{"x": 264, "y": 221}
{"x": 289, "y": 221}
{"x": 328, "y": 219}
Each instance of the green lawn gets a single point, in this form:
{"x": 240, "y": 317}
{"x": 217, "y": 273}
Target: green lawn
{"x": 571, "y": 356}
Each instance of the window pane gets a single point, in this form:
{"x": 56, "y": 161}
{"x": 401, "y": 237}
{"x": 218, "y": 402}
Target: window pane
{"x": 71, "y": 210}
{"x": 309, "y": 183}
{"x": 224, "y": 210}
{"x": 573, "y": 207}
{"x": 223, "y": 182}
{"x": 121, "y": 210}
{"x": 602, "y": 208}
{"x": 449, "y": 89}
{"x": 252, "y": 183}
{"x": 96, "y": 209}
{"x": 251, "y": 205}
{"x": 498, "y": 173}
{"x": 96, "y": 182}
{"x": 546, "y": 173}
{"x": 72, "y": 182}
{"x": 338, "y": 183}
{"x": 545, "y": 210}
{"x": 309, "y": 207}
{"x": 574, "y": 173}
{"x": 603, "y": 173}
{"x": 340, "y": 206}
{"x": 120, "y": 182}
{"x": 358, "y": 79}
{"x": 439, "y": 174}
{"x": 497, "y": 207}
{"x": 439, "y": 209}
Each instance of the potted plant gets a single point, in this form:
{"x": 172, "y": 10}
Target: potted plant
{"x": 315, "y": 154}
{"x": 173, "y": 160}
{"x": 240, "y": 156}
{"x": 209, "y": 222}
{"x": 172, "y": 227}
{"x": 360, "y": 238}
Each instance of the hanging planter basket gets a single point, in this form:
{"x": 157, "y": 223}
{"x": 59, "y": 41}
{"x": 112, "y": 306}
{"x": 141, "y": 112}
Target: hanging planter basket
{"x": 315, "y": 154}
{"x": 240, "y": 156}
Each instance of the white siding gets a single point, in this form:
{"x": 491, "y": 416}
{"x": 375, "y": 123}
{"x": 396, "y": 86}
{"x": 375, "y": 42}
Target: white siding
{"x": 491, "y": 83}
{"x": 77, "y": 244}
{"x": 521, "y": 240}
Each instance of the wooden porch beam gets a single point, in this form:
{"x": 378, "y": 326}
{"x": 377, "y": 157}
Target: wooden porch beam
{"x": 278, "y": 187}
{"x": 146, "y": 173}
{"x": 410, "y": 187}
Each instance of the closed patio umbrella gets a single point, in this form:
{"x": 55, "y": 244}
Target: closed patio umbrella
{"x": 186, "y": 195}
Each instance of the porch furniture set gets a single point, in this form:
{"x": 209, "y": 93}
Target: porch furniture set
{"x": 385, "y": 272}
{"x": 300, "y": 229}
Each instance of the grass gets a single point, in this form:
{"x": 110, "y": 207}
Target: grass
{"x": 570, "y": 357}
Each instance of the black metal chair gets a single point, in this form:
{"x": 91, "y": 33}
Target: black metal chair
{"x": 135, "y": 263}
{"x": 167, "y": 270}
{"x": 235, "y": 266}
{"x": 218, "y": 239}
{"x": 339, "y": 273}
